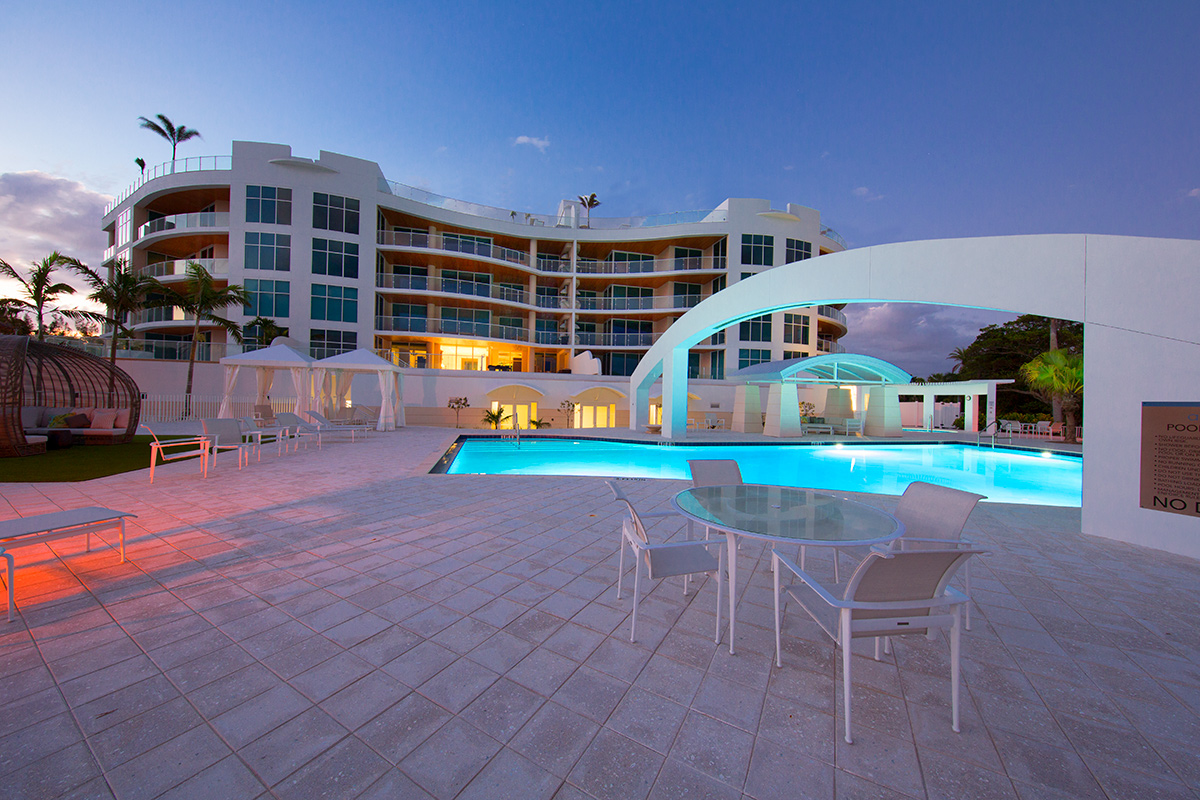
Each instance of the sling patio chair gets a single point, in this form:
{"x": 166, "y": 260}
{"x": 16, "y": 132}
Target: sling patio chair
{"x": 177, "y": 449}
{"x": 663, "y": 560}
{"x": 258, "y": 436}
{"x": 326, "y": 426}
{"x": 713, "y": 472}
{"x": 226, "y": 434}
{"x": 298, "y": 427}
{"x": 896, "y": 593}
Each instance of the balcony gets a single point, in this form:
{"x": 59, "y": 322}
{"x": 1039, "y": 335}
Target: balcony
{"x": 451, "y": 327}
{"x": 829, "y": 346}
{"x": 587, "y": 266}
{"x": 422, "y": 283}
{"x": 178, "y": 268}
{"x": 193, "y": 164}
{"x": 182, "y": 222}
{"x": 829, "y": 312}
{"x": 653, "y": 303}
{"x": 165, "y": 314}
{"x": 595, "y": 339}
{"x": 437, "y": 242}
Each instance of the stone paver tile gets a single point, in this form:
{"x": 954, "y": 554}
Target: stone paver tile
{"x": 419, "y": 664}
{"x": 508, "y": 774}
{"x": 619, "y": 658}
{"x": 849, "y": 786}
{"x": 450, "y": 758}
{"x": 365, "y": 699}
{"x": 109, "y": 679}
{"x": 168, "y": 765}
{"x": 33, "y": 709}
{"x": 33, "y": 743}
{"x": 555, "y": 738}
{"x": 386, "y": 645}
{"x": 592, "y": 694}
{"x": 458, "y": 684}
{"x": 394, "y": 785}
{"x": 734, "y": 703}
{"x": 330, "y": 676}
{"x": 717, "y": 749}
{"x": 56, "y": 775}
{"x": 948, "y": 778}
{"x": 118, "y": 706}
{"x": 503, "y": 709}
{"x": 115, "y": 745}
{"x": 671, "y": 679}
{"x": 501, "y": 652}
{"x": 1031, "y": 762}
{"x": 345, "y": 770}
{"x": 233, "y": 690}
{"x": 402, "y": 728}
{"x": 542, "y": 671}
{"x": 677, "y": 779}
{"x": 534, "y": 626}
{"x": 291, "y": 745}
{"x": 303, "y": 655}
{"x": 357, "y": 630}
{"x": 228, "y": 779}
{"x": 616, "y": 768}
{"x": 207, "y": 668}
{"x": 262, "y": 713}
{"x": 649, "y": 719}
{"x": 877, "y": 757}
{"x": 465, "y": 635}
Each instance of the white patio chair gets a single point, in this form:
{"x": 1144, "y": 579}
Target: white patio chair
{"x": 890, "y": 594}
{"x": 713, "y": 472}
{"x": 934, "y": 517}
{"x": 298, "y": 427}
{"x": 264, "y": 413}
{"x": 188, "y": 447}
{"x": 258, "y": 436}
{"x": 226, "y": 434}
{"x": 664, "y": 560}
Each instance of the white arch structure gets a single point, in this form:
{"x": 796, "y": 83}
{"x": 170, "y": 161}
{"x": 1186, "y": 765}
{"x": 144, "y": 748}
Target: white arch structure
{"x": 1138, "y": 299}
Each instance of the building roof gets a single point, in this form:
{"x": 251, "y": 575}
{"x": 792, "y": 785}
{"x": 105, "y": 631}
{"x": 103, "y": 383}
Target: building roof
{"x": 843, "y": 368}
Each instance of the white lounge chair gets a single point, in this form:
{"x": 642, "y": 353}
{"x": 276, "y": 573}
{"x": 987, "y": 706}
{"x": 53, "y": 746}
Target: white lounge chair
{"x": 297, "y": 426}
{"x": 665, "y": 560}
{"x": 325, "y": 426}
{"x": 257, "y": 436}
{"x": 890, "y": 594}
{"x": 176, "y": 449}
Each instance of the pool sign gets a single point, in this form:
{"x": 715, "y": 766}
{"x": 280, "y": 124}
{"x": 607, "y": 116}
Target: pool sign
{"x": 1171, "y": 457}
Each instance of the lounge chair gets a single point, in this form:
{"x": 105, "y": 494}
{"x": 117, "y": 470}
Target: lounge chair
{"x": 175, "y": 449}
{"x": 298, "y": 427}
{"x": 264, "y": 413}
{"x": 326, "y": 426}
{"x": 257, "y": 436}
{"x": 664, "y": 560}
{"x": 226, "y": 434}
{"x": 889, "y": 594}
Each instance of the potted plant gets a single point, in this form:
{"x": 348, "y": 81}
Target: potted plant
{"x": 458, "y": 404}
{"x": 495, "y": 418}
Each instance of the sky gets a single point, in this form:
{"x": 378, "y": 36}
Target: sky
{"x": 898, "y": 121}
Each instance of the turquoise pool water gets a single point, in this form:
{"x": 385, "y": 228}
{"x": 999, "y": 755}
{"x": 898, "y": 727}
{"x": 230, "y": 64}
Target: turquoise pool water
{"x": 1004, "y": 475}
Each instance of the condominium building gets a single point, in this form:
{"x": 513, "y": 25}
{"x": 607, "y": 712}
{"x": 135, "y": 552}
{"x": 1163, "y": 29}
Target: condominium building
{"x": 344, "y": 258}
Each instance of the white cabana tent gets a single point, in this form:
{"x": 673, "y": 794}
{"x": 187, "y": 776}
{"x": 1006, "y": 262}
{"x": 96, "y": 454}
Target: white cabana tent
{"x": 340, "y": 370}
{"x": 265, "y": 362}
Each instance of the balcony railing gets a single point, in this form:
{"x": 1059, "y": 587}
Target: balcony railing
{"x": 586, "y": 266}
{"x": 451, "y": 327}
{"x": 829, "y": 346}
{"x": 590, "y": 339}
{"x": 452, "y": 245}
{"x": 422, "y": 283}
{"x": 193, "y": 164}
{"x": 553, "y": 301}
{"x": 178, "y": 268}
{"x": 652, "y": 303}
{"x": 830, "y": 233}
{"x": 832, "y": 313}
{"x": 552, "y": 337}
{"x": 202, "y": 219}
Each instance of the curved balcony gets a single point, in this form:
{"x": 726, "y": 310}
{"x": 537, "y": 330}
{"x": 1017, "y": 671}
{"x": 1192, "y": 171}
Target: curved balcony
{"x": 829, "y": 346}
{"x": 834, "y": 236}
{"x": 178, "y": 268}
{"x": 451, "y": 327}
{"x": 835, "y": 314}
{"x": 193, "y": 164}
{"x": 421, "y": 283}
{"x": 185, "y": 222}
{"x": 652, "y": 303}
{"x": 587, "y": 266}
{"x": 436, "y": 242}
{"x": 590, "y": 339}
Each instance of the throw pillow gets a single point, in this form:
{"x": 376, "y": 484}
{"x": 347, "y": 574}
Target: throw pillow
{"x": 30, "y": 416}
{"x": 77, "y": 421}
{"x": 104, "y": 418}
{"x": 122, "y": 418}
{"x": 59, "y": 421}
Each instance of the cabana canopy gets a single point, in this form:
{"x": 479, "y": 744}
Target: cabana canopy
{"x": 391, "y": 383}
{"x": 265, "y": 362}
{"x": 840, "y": 368}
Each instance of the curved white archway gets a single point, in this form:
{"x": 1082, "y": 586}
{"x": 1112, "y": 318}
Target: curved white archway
{"x": 1137, "y": 298}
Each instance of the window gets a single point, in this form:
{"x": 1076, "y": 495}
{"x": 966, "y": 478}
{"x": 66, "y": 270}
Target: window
{"x": 467, "y": 321}
{"x": 748, "y": 358}
{"x": 693, "y": 365}
{"x": 339, "y": 259}
{"x": 686, "y": 294}
{"x": 334, "y": 303}
{"x": 587, "y": 299}
{"x": 268, "y": 251}
{"x": 269, "y": 204}
{"x": 408, "y": 317}
{"x": 718, "y": 337}
{"x": 756, "y": 330}
{"x": 324, "y": 343}
{"x": 794, "y": 354}
{"x": 267, "y": 298}
{"x": 718, "y": 283}
{"x": 795, "y": 328}
{"x": 623, "y": 297}
{"x": 458, "y": 282}
{"x": 718, "y": 365}
{"x": 334, "y": 213}
{"x": 637, "y": 262}
{"x": 623, "y": 363}
{"x": 409, "y": 237}
{"x": 758, "y": 249}
{"x": 748, "y": 275}
{"x": 463, "y": 243}
{"x": 798, "y": 250}
{"x": 720, "y": 252}
{"x": 630, "y": 332}
{"x": 687, "y": 258}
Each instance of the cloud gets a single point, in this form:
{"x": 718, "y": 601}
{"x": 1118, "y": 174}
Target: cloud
{"x": 540, "y": 144}
{"x": 41, "y": 213}
{"x": 863, "y": 193}
{"x": 914, "y": 336}
{"x": 1193, "y": 193}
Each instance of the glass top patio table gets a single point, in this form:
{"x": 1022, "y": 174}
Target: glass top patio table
{"x": 786, "y": 514}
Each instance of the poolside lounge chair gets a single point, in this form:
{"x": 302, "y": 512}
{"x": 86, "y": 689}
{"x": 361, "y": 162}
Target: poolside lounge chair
{"x": 300, "y": 428}
{"x": 226, "y": 434}
{"x": 175, "y": 449}
{"x": 664, "y": 560}
{"x": 889, "y": 594}
{"x": 325, "y": 426}
{"x": 257, "y": 436}
{"x": 264, "y": 413}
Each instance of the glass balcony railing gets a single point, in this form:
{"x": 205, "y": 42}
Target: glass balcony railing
{"x": 829, "y": 346}
{"x": 193, "y": 164}
{"x": 180, "y": 222}
{"x": 597, "y": 339}
{"x": 678, "y": 302}
{"x": 451, "y": 327}
{"x": 830, "y": 233}
{"x": 830, "y": 312}
{"x": 178, "y": 268}
{"x": 452, "y": 245}
{"x": 422, "y": 283}
{"x": 588, "y": 266}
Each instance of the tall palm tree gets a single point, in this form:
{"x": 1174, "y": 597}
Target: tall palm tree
{"x": 167, "y": 130}
{"x": 589, "y": 202}
{"x": 202, "y": 298}
{"x": 41, "y": 291}
{"x": 1059, "y": 373}
{"x": 122, "y": 293}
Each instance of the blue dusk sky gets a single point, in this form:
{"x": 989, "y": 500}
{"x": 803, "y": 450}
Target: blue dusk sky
{"x": 898, "y": 121}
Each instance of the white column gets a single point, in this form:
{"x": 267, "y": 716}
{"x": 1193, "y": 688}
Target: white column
{"x": 675, "y": 386}
{"x": 883, "y": 412}
{"x": 783, "y": 410}
{"x": 747, "y": 409}
{"x": 991, "y": 404}
{"x": 927, "y": 408}
{"x": 971, "y": 416}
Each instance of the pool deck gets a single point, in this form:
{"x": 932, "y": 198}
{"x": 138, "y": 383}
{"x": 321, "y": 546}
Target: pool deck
{"x": 339, "y": 623}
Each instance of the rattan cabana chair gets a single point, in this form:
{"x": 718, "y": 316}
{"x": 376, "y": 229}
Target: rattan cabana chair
{"x": 38, "y": 378}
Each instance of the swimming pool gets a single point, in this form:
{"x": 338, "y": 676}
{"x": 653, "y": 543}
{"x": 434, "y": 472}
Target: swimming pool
{"x": 1005, "y": 475}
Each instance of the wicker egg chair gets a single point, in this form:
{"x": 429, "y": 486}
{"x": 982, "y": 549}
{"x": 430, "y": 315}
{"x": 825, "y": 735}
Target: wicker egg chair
{"x": 34, "y": 373}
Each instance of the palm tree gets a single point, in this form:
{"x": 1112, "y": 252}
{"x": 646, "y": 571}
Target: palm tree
{"x": 202, "y": 298}
{"x": 141, "y": 162}
{"x": 268, "y": 330}
{"x": 959, "y": 356}
{"x": 496, "y": 418}
{"x": 123, "y": 293}
{"x": 589, "y": 202}
{"x": 42, "y": 292}
{"x": 13, "y": 321}
{"x": 167, "y": 130}
{"x": 1059, "y": 373}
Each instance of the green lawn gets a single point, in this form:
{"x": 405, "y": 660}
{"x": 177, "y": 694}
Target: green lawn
{"x": 77, "y": 463}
